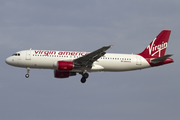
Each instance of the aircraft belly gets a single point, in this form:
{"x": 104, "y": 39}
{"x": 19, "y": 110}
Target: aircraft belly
{"x": 37, "y": 63}
{"x": 118, "y": 66}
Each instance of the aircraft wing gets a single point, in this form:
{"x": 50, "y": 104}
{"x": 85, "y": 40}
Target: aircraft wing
{"x": 160, "y": 59}
{"x": 88, "y": 59}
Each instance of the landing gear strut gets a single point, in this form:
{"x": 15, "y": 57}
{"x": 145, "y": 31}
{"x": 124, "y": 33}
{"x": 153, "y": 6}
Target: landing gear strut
{"x": 27, "y": 75}
{"x": 84, "y": 77}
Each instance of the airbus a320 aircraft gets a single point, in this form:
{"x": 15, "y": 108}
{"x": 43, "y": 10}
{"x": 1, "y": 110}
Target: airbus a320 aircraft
{"x": 69, "y": 63}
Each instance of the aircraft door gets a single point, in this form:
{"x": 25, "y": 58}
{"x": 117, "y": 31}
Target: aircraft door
{"x": 28, "y": 55}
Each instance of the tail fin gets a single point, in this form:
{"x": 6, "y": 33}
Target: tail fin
{"x": 157, "y": 47}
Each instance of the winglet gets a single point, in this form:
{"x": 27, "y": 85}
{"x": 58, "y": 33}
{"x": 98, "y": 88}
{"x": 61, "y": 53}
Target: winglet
{"x": 111, "y": 46}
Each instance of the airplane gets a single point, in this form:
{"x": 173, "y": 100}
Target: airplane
{"x": 68, "y": 63}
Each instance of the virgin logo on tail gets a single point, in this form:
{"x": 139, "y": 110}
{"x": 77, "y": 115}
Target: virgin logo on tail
{"x": 158, "y": 45}
{"x": 156, "y": 48}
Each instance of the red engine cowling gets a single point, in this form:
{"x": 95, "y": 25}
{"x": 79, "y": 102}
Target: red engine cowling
{"x": 63, "y": 74}
{"x": 64, "y": 65}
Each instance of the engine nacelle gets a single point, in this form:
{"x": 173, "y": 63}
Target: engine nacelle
{"x": 64, "y": 65}
{"x": 63, "y": 74}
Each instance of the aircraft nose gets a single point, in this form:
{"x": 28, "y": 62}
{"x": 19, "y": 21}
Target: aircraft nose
{"x": 8, "y": 61}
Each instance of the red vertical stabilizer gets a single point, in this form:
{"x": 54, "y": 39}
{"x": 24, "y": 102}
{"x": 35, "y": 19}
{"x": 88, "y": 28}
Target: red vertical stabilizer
{"x": 158, "y": 46}
{"x": 154, "y": 52}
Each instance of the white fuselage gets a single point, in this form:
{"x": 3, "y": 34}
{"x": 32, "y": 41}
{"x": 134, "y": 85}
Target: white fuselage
{"x": 68, "y": 63}
{"x": 46, "y": 59}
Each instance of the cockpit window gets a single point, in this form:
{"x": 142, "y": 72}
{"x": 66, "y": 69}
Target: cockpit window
{"x": 16, "y": 54}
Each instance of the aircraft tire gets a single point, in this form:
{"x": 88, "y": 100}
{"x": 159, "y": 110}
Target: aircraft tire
{"x": 83, "y": 80}
{"x": 85, "y": 75}
{"x": 27, "y": 75}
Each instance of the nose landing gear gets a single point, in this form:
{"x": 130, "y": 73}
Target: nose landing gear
{"x": 84, "y": 77}
{"x": 27, "y": 75}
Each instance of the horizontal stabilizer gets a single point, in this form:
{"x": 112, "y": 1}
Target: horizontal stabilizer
{"x": 160, "y": 59}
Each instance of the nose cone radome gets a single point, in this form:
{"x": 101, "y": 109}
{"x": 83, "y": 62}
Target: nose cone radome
{"x": 8, "y": 61}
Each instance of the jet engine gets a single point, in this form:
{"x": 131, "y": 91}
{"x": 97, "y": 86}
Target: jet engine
{"x": 63, "y": 65}
{"x": 63, "y": 74}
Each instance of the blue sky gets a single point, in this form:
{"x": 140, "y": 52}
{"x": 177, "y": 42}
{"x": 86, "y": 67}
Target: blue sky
{"x": 84, "y": 25}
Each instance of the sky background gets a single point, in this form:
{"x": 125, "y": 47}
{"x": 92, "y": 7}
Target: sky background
{"x": 87, "y": 25}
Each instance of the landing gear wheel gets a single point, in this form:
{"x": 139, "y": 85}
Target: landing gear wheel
{"x": 83, "y": 80}
{"x": 27, "y": 75}
{"x": 85, "y": 75}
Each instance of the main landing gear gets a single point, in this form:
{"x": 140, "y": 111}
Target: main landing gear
{"x": 27, "y": 75}
{"x": 84, "y": 77}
